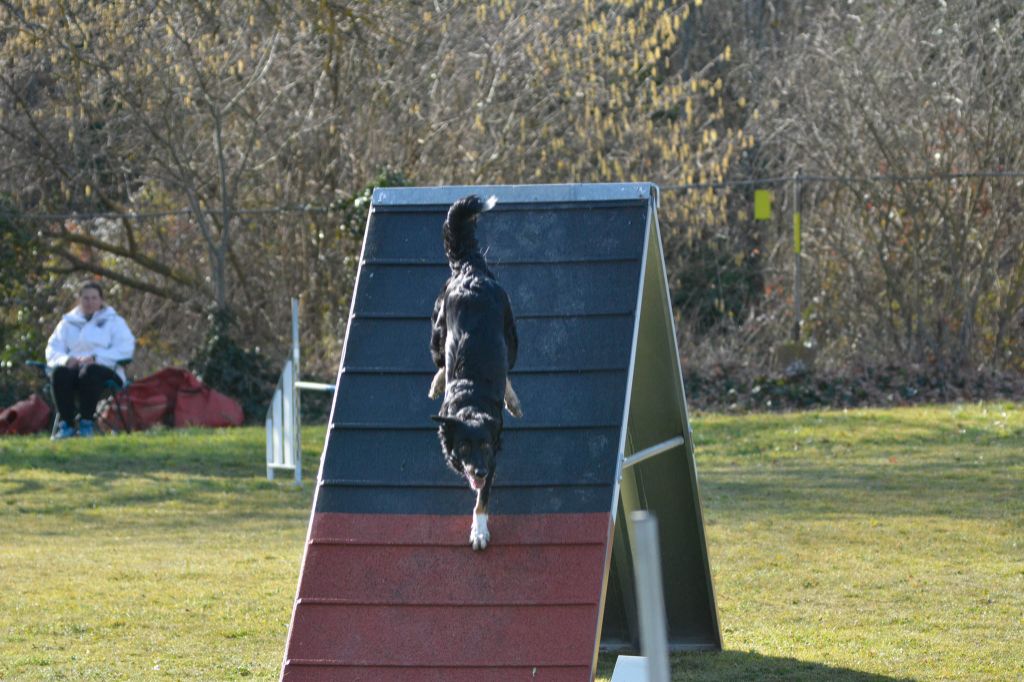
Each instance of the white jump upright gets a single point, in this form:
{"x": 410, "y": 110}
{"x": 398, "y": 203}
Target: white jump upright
{"x": 653, "y": 666}
{"x": 284, "y": 451}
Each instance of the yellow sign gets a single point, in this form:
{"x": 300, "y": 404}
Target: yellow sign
{"x": 762, "y": 204}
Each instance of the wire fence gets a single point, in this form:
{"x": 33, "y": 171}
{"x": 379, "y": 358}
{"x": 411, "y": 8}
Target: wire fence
{"x": 849, "y": 179}
{"x": 930, "y": 272}
{"x": 772, "y": 181}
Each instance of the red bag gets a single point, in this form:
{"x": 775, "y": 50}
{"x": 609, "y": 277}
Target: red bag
{"x": 169, "y": 381}
{"x": 137, "y": 408}
{"x": 148, "y": 401}
{"x": 26, "y": 416}
{"x": 204, "y": 406}
{"x": 170, "y": 396}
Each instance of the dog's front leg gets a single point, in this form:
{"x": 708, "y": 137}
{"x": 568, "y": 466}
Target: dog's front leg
{"x": 479, "y": 536}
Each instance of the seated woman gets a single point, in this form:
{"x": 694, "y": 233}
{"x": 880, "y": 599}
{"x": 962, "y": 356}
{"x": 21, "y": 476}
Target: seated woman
{"x": 83, "y": 353}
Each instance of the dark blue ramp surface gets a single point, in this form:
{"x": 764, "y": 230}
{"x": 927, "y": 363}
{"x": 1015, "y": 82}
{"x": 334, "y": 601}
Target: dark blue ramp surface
{"x": 572, "y": 272}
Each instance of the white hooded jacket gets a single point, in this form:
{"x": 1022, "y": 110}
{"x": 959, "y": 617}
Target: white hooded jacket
{"x": 105, "y": 335}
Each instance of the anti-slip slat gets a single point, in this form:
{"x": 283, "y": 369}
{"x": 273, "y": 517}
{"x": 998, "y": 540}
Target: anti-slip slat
{"x": 528, "y": 456}
{"x": 450, "y": 530}
{"x": 453, "y": 576}
{"x": 430, "y": 426}
{"x": 451, "y": 481}
{"x": 610, "y": 232}
{"x": 431, "y": 635}
{"x": 548, "y": 400}
{"x": 567, "y": 289}
{"x": 539, "y": 499}
{"x": 337, "y": 671}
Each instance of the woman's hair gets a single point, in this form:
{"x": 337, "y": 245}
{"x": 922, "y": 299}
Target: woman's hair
{"x": 89, "y": 284}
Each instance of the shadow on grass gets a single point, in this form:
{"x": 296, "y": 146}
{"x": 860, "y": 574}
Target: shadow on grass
{"x": 748, "y": 665}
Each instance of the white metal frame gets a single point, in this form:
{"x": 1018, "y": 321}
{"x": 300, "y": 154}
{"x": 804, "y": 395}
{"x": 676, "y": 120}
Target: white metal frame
{"x": 284, "y": 442}
{"x": 646, "y": 560}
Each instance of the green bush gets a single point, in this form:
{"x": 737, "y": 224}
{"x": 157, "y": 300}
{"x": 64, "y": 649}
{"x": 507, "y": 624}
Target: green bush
{"x": 244, "y": 374}
{"x": 27, "y": 292}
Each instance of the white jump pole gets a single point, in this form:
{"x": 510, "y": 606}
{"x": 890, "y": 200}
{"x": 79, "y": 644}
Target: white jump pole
{"x": 653, "y": 666}
{"x": 284, "y": 417}
{"x": 293, "y": 389}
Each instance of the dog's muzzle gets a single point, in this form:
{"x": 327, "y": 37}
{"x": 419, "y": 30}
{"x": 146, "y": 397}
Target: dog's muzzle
{"x": 476, "y": 477}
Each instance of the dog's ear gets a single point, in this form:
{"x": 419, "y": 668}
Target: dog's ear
{"x": 447, "y": 431}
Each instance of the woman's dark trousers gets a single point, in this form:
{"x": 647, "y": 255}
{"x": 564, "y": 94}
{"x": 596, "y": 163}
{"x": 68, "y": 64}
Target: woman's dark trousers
{"x": 88, "y": 383}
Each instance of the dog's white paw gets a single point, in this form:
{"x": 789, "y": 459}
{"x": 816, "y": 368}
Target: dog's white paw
{"x": 478, "y": 534}
{"x": 512, "y": 403}
{"x": 437, "y": 385}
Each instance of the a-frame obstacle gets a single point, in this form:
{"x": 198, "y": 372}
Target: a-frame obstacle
{"x": 390, "y": 589}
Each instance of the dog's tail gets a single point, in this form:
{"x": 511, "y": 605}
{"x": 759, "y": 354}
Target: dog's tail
{"x": 460, "y": 227}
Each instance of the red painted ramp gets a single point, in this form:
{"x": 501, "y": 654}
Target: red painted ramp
{"x": 398, "y": 598}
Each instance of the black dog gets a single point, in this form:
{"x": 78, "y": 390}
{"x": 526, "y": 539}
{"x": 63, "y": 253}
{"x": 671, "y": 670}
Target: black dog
{"x": 473, "y": 343}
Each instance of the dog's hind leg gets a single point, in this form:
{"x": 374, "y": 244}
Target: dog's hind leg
{"x": 437, "y": 385}
{"x": 512, "y": 400}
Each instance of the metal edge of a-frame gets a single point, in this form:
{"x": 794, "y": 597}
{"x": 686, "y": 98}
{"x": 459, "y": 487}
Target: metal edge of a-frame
{"x": 627, "y": 494}
{"x": 618, "y": 528}
{"x": 514, "y": 194}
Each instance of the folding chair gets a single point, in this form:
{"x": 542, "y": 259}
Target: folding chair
{"x": 111, "y": 386}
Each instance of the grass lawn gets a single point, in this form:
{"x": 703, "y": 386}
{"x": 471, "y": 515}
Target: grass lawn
{"x": 868, "y": 545}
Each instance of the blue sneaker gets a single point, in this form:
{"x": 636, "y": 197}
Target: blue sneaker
{"x": 64, "y": 430}
{"x": 85, "y": 428}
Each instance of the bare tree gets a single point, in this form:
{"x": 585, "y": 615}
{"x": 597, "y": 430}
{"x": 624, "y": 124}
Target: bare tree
{"x": 129, "y": 107}
{"x": 906, "y": 268}
{"x": 141, "y": 108}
